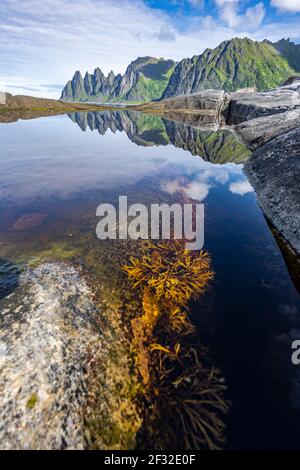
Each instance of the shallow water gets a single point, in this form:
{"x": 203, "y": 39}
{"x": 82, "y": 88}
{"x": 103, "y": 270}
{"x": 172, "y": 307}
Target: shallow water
{"x": 55, "y": 171}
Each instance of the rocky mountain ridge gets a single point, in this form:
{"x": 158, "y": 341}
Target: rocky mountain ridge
{"x": 237, "y": 63}
{"x": 145, "y": 79}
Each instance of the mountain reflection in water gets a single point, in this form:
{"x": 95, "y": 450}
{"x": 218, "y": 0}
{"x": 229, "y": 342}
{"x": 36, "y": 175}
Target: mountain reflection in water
{"x": 220, "y": 146}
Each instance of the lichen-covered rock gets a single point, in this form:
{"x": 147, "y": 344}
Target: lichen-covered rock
{"x": 54, "y": 352}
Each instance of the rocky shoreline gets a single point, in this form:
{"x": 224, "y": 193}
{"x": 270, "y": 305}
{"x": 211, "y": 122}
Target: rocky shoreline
{"x": 13, "y": 108}
{"x": 274, "y": 172}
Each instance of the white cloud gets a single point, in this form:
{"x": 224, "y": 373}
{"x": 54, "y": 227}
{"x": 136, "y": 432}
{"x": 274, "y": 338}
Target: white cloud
{"x": 240, "y": 187}
{"x": 196, "y": 190}
{"x": 289, "y": 5}
{"x": 198, "y": 184}
{"x": 251, "y": 19}
{"x": 255, "y": 15}
{"x": 228, "y": 12}
{"x": 166, "y": 34}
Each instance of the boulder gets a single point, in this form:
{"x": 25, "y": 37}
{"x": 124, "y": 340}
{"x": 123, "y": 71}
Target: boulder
{"x": 212, "y": 103}
{"x": 257, "y": 132}
{"x": 247, "y": 106}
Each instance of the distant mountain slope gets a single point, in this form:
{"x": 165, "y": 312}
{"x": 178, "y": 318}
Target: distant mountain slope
{"x": 290, "y": 51}
{"x": 144, "y": 80}
{"x": 238, "y": 63}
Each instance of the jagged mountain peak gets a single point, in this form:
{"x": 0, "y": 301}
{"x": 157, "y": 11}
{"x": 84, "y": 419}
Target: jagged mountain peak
{"x": 77, "y": 74}
{"x": 235, "y": 63}
{"x": 145, "y": 79}
{"x": 290, "y": 51}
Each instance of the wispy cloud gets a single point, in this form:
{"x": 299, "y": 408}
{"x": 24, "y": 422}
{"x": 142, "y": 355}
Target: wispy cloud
{"x": 288, "y": 5}
{"x": 196, "y": 3}
{"x": 18, "y": 85}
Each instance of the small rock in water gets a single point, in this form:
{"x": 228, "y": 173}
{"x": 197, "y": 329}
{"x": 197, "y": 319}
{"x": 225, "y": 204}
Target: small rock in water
{"x": 29, "y": 220}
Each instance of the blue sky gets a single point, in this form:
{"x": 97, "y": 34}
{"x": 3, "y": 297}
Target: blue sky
{"x": 44, "y": 42}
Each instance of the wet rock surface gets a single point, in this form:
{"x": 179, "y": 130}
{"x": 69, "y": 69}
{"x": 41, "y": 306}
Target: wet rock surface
{"x": 53, "y": 348}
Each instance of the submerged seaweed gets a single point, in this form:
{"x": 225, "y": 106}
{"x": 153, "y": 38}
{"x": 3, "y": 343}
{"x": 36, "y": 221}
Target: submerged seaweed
{"x": 171, "y": 271}
{"x": 184, "y": 393}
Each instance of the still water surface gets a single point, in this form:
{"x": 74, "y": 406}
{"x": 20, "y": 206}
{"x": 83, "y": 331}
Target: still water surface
{"x": 55, "y": 171}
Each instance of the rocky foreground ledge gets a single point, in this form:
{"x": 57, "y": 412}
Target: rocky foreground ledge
{"x": 63, "y": 367}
